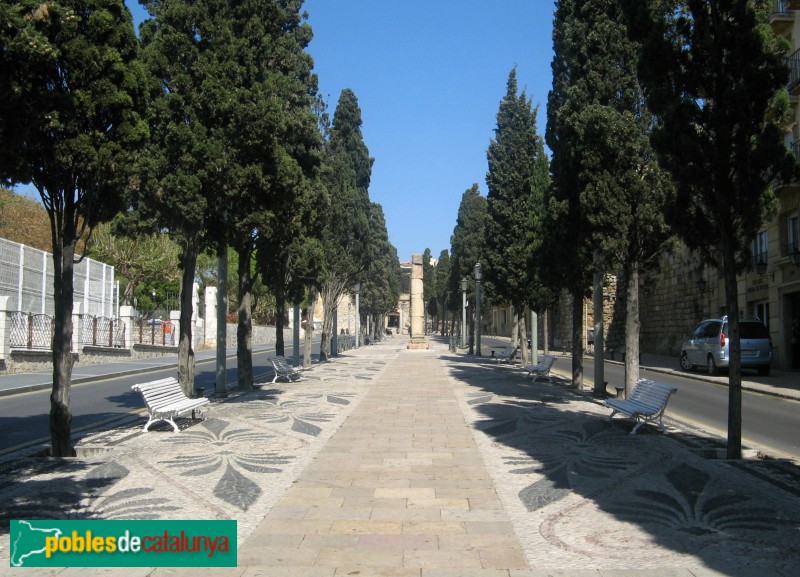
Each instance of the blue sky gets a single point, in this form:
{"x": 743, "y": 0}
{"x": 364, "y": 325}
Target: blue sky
{"x": 429, "y": 77}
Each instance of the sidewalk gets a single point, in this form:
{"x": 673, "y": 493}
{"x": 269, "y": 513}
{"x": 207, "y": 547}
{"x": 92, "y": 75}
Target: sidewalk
{"x": 780, "y": 383}
{"x": 12, "y": 384}
{"x": 393, "y": 462}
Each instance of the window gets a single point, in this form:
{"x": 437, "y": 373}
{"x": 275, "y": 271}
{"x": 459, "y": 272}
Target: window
{"x": 762, "y": 313}
{"x": 793, "y": 230}
{"x": 760, "y": 248}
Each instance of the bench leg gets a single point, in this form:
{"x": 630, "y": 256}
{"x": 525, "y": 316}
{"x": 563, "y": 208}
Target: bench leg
{"x": 149, "y": 422}
{"x": 636, "y": 428}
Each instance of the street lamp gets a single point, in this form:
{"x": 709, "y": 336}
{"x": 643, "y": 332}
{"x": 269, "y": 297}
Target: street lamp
{"x": 154, "y": 303}
{"x": 477, "y": 272}
{"x": 464, "y": 283}
{"x": 357, "y": 289}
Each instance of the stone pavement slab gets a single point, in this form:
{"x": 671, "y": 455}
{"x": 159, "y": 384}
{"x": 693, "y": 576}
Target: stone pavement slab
{"x": 389, "y": 462}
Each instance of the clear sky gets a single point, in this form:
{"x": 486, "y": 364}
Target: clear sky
{"x": 429, "y": 77}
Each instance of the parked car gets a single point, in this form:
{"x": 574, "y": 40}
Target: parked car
{"x": 708, "y": 346}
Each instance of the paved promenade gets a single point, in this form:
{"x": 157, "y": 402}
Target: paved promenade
{"x": 393, "y": 462}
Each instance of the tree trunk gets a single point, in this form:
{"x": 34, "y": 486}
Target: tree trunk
{"x": 546, "y": 332}
{"x": 472, "y": 332}
{"x": 577, "y": 339}
{"x": 280, "y": 315}
{"x": 185, "y": 348}
{"x": 735, "y": 357}
{"x": 632, "y": 328}
{"x": 244, "y": 328}
{"x": 312, "y": 304}
{"x": 523, "y": 336}
{"x": 329, "y": 298}
{"x": 63, "y": 287}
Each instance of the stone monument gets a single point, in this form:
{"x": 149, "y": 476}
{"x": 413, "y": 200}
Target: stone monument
{"x": 418, "y": 338}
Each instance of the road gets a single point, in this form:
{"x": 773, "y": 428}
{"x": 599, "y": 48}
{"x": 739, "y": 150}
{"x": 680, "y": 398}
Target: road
{"x": 24, "y": 418}
{"x": 767, "y": 421}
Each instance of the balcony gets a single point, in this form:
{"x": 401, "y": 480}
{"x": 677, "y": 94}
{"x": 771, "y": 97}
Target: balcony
{"x": 782, "y": 17}
{"x": 760, "y": 262}
{"x": 793, "y": 63}
{"x": 793, "y": 252}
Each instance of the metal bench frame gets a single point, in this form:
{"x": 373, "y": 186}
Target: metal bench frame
{"x": 645, "y": 404}
{"x": 165, "y": 400}
{"x": 542, "y": 369}
{"x": 283, "y": 370}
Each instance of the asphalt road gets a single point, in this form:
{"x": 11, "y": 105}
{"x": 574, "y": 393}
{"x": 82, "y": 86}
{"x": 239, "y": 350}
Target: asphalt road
{"x": 768, "y": 422}
{"x": 24, "y": 418}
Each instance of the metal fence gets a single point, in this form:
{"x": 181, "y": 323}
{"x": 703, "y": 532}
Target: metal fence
{"x": 103, "y": 332}
{"x": 29, "y": 331}
{"x": 156, "y": 333}
{"x": 26, "y": 275}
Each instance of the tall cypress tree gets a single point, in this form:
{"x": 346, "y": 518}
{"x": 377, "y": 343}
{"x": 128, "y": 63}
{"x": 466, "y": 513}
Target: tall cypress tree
{"x": 624, "y": 194}
{"x": 466, "y": 245}
{"x": 715, "y": 75}
{"x": 516, "y": 180}
{"x": 576, "y": 85}
{"x": 380, "y": 290}
{"x": 275, "y": 144}
{"x": 73, "y": 94}
{"x": 346, "y": 172}
{"x": 187, "y": 175}
{"x": 442, "y": 287}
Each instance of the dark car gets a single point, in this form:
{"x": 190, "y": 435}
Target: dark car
{"x": 709, "y": 346}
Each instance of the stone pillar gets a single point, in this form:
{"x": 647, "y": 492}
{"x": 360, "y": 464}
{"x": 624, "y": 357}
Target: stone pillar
{"x": 77, "y": 327}
{"x": 5, "y": 329}
{"x": 418, "y": 338}
{"x": 128, "y": 315}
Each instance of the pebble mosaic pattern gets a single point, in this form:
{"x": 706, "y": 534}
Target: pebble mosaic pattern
{"x": 584, "y": 494}
{"x": 235, "y": 464}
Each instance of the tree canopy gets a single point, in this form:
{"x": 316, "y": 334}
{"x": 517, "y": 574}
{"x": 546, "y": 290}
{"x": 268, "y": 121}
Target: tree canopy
{"x": 346, "y": 173}
{"x": 713, "y": 74}
{"x": 73, "y": 92}
{"x": 517, "y": 179}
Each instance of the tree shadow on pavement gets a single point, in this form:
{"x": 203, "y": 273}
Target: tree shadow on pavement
{"x": 602, "y": 498}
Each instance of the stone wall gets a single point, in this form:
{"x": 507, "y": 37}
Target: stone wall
{"x": 672, "y": 302}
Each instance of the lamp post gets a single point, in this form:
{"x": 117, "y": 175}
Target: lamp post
{"x": 154, "y": 303}
{"x": 477, "y": 272}
{"x": 357, "y": 289}
{"x": 464, "y": 283}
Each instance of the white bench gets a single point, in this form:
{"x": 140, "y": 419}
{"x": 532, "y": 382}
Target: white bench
{"x": 165, "y": 400}
{"x": 507, "y": 354}
{"x": 645, "y": 404}
{"x": 542, "y": 368}
{"x": 283, "y": 370}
